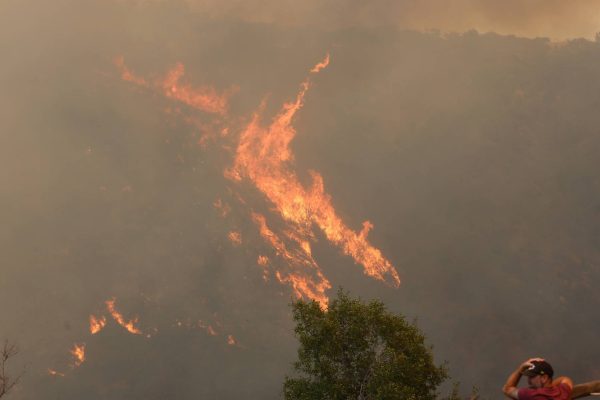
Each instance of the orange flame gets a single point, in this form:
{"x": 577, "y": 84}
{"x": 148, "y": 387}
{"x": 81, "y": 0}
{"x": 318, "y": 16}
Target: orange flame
{"x": 55, "y": 373}
{"x": 97, "y": 324}
{"x": 129, "y": 325}
{"x": 264, "y": 157}
{"x": 302, "y": 265}
{"x": 231, "y": 340}
{"x": 208, "y": 328}
{"x": 202, "y": 98}
{"x": 321, "y": 65}
{"x": 78, "y": 353}
{"x": 126, "y": 74}
{"x": 235, "y": 237}
{"x": 211, "y": 331}
{"x": 262, "y": 261}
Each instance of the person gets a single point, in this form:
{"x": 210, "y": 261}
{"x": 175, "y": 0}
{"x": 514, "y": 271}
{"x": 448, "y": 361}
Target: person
{"x": 586, "y": 389}
{"x": 541, "y": 385}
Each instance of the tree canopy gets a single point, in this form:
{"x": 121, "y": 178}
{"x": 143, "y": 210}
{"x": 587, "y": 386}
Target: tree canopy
{"x": 357, "y": 350}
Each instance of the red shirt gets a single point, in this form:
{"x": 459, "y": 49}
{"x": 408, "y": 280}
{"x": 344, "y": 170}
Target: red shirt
{"x": 558, "y": 392}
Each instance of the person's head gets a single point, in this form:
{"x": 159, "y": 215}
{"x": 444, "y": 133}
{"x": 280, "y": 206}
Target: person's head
{"x": 539, "y": 374}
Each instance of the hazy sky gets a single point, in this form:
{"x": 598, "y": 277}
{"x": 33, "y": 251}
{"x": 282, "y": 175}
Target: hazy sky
{"x": 556, "y": 19}
{"x": 473, "y": 155}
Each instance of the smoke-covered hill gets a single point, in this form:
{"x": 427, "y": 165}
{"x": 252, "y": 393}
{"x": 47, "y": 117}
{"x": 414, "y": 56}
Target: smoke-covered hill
{"x": 473, "y": 155}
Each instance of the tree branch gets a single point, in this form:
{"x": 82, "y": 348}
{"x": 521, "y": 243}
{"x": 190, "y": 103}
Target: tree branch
{"x": 9, "y": 350}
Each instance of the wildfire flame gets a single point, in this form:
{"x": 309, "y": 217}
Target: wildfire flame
{"x": 264, "y": 158}
{"x": 129, "y": 325}
{"x": 78, "y": 352}
{"x": 301, "y": 263}
{"x": 235, "y": 237}
{"x": 321, "y": 65}
{"x": 211, "y": 330}
{"x": 55, "y": 373}
{"x": 97, "y": 324}
{"x": 231, "y": 340}
{"x": 263, "y": 261}
{"x": 126, "y": 74}
{"x": 203, "y": 98}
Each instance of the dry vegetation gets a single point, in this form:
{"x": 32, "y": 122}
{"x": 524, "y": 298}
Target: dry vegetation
{"x": 7, "y": 383}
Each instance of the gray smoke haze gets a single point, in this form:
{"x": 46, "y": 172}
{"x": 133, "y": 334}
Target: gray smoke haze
{"x": 556, "y": 19}
{"x": 474, "y": 155}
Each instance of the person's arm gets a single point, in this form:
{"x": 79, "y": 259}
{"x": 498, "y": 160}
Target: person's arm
{"x": 585, "y": 389}
{"x": 563, "y": 380}
{"x": 510, "y": 387}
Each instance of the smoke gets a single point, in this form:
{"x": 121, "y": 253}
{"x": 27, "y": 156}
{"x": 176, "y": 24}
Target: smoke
{"x": 556, "y": 19}
{"x": 473, "y": 155}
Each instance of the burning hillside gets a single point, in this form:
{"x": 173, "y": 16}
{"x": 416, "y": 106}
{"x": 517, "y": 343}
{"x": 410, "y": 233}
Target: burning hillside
{"x": 264, "y": 157}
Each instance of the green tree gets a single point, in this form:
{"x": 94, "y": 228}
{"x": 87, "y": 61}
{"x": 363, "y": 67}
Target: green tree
{"x": 360, "y": 351}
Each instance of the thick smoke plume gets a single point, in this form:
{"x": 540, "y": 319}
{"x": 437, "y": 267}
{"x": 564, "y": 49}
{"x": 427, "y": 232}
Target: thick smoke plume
{"x": 556, "y": 19}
